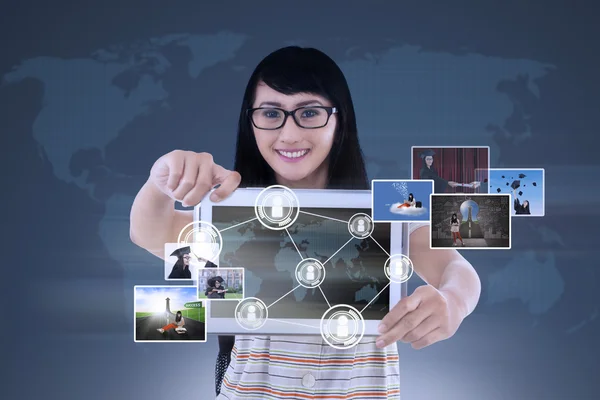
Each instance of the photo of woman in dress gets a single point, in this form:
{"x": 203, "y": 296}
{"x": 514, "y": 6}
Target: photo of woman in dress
{"x": 455, "y": 229}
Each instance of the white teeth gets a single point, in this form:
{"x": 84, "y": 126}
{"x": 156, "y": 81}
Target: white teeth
{"x": 294, "y": 154}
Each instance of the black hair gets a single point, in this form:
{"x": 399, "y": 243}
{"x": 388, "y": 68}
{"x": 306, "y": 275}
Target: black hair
{"x": 425, "y": 167}
{"x": 178, "y": 316}
{"x": 180, "y": 262}
{"x": 410, "y": 197}
{"x": 292, "y": 70}
{"x": 454, "y": 218}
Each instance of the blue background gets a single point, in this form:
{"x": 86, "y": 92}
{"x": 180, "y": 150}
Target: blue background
{"x": 535, "y": 194}
{"x": 92, "y": 93}
{"x": 384, "y": 195}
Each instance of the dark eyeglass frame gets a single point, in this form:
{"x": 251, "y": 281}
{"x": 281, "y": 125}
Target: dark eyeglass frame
{"x": 329, "y": 110}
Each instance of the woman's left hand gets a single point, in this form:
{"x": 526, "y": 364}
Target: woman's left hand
{"x": 423, "y": 318}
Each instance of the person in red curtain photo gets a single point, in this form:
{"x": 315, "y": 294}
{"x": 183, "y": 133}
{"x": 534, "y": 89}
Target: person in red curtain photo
{"x": 450, "y": 167}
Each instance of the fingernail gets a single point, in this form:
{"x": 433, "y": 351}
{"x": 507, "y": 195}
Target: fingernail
{"x": 381, "y": 328}
{"x": 380, "y": 343}
{"x": 214, "y": 197}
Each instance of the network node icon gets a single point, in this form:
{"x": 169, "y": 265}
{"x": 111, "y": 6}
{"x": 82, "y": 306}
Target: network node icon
{"x": 277, "y": 207}
{"x": 251, "y": 313}
{"x": 361, "y": 226}
{"x": 310, "y": 273}
{"x": 342, "y": 326}
{"x": 204, "y": 239}
{"x": 398, "y": 268}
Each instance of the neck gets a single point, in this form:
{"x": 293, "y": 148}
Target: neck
{"x": 316, "y": 180}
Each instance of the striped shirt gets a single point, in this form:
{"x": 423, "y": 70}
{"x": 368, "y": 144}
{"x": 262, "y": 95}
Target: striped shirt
{"x": 305, "y": 367}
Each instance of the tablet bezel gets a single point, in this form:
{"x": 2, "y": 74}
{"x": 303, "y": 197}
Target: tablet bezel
{"x": 327, "y": 198}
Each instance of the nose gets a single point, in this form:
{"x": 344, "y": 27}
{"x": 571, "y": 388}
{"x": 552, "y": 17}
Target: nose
{"x": 290, "y": 132}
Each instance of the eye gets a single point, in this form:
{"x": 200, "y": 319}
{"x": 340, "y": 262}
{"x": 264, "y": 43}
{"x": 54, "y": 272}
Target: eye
{"x": 310, "y": 112}
{"x": 271, "y": 113}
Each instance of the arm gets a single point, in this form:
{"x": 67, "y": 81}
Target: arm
{"x": 447, "y": 271}
{"x": 154, "y": 220}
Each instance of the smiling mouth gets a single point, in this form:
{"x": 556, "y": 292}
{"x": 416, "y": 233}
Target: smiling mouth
{"x": 293, "y": 154}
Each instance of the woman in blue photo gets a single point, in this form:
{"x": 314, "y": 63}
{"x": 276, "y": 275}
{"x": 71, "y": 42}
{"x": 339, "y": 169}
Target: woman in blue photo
{"x": 297, "y": 128}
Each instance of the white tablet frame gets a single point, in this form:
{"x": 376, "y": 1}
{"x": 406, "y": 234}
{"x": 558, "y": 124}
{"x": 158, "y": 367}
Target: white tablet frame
{"x": 328, "y": 198}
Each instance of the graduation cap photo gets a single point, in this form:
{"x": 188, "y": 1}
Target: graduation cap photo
{"x": 527, "y": 189}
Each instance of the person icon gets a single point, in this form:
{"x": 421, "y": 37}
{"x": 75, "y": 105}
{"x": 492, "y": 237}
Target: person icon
{"x": 310, "y": 273}
{"x": 203, "y": 245}
{"x": 342, "y": 326}
{"x": 361, "y": 225}
{"x": 277, "y": 207}
{"x": 251, "y": 316}
{"x": 398, "y": 268}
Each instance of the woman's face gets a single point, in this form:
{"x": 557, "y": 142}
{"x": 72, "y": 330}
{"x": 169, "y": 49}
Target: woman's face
{"x": 217, "y": 283}
{"x": 429, "y": 161}
{"x": 525, "y": 203}
{"x": 186, "y": 259}
{"x": 297, "y": 155}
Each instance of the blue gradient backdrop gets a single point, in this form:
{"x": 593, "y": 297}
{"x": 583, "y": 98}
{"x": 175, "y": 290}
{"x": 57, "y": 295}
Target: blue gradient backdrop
{"x": 92, "y": 93}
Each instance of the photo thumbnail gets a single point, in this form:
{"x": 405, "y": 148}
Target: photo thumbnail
{"x": 452, "y": 169}
{"x": 181, "y": 263}
{"x": 168, "y": 313}
{"x": 470, "y": 221}
{"x": 526, "y": 185}
{"x": 401, "y": 200}
{"x": 221, "y": 283}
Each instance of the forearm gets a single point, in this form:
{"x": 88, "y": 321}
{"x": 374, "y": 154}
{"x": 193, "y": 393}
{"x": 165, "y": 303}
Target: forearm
{"x": 461, "y": 285}
{"x": 152, "y": 217}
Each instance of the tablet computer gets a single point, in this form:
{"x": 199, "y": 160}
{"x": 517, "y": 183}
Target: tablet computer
{"x": 354, "y": 266}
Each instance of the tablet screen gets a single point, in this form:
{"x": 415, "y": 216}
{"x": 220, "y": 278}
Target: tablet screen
{"x": 354, "y": 268}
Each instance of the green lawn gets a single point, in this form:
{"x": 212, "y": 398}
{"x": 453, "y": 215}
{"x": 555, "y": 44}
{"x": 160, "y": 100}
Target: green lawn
{"x": 196, "y": 314}
{"x": 202, "y": 296}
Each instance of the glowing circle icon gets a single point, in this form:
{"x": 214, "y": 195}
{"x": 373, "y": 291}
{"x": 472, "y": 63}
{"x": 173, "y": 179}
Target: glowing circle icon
{"x": 398, "y": 268}
{"x": 310, "y": 273}
{"x": 204, "y": 239}
{"x": 251, "y": 313}
{"x": 361, "y": 226}
{"x": 342, "y": 326}
{"x": 277, "y": 207}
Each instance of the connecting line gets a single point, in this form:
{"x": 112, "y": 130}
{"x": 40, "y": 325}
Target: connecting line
{"x": 373, "y": 299}
{"x": 333, "y": 255}
{"x": 384, "y": 250}
{"x": 322, "y": 216}
{"x": 325, "y": 297}
{"x": 241, "y": 223}
{"x": 283, "y": 296}
{"x": 292, "y": 239}
{"x": 294, "y": 323}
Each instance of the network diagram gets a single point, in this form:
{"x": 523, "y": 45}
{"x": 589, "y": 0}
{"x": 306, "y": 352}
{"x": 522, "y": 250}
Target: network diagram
{"x": 277, "y": 208}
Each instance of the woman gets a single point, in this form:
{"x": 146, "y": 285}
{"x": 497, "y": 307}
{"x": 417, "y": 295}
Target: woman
{"x": 520, "y": 209}
{"x": 181, "y": 269}
{"x": 178, "y": 324}
{"x": 428, "y": 171}
{"x": 455, "y": 229}
{"x": 297, "y": 128}
{"x": 214, "y": 289}
{"x": 409, "y": 203}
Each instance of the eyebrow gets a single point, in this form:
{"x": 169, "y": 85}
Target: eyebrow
{"x": 301, "y": 104}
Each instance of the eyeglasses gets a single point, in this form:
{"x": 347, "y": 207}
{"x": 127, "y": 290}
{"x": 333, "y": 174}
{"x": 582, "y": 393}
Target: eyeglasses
{"x": 187, "y": 258}
{"x": 269, "y": 118}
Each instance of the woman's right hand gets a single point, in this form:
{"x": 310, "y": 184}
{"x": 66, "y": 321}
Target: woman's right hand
{"x": 187, "y": 177}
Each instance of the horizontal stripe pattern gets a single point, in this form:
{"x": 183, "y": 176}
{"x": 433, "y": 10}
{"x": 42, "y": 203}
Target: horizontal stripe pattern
{"x": 273, "y": 367}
